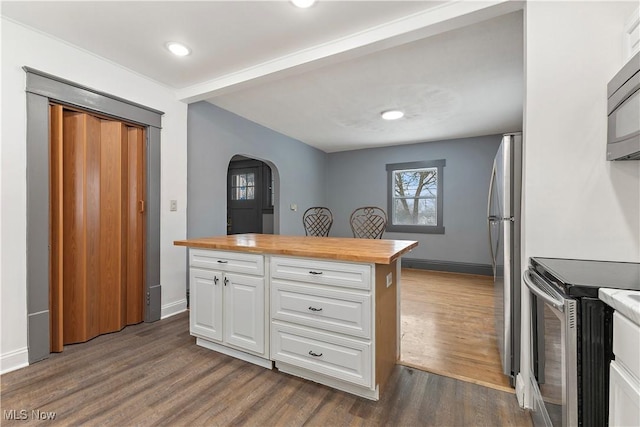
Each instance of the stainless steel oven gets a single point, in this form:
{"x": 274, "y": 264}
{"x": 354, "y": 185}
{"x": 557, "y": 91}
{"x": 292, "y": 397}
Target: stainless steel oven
{"x": 555, "y": 346}
{"x": 572, "y": 337}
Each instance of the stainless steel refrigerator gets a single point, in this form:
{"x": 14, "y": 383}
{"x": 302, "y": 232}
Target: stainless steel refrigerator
{"x": 503, "y": 221}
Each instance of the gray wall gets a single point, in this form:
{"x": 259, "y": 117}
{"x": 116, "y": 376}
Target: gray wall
{"x": 358, "y": 178}
{"x": 214, "y": 137}
{"x": 342, "y": 181}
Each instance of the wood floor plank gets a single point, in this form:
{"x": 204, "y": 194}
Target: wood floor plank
{"x": 153, "y": 374}
{"x": 447, "y": 326}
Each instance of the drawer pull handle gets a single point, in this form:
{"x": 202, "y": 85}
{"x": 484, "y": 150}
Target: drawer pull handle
{"x": 314, "y": 354}
{"x": 315, "y": 272}
{"x": 315, "y": 309}
{"x": 222, "y": 261}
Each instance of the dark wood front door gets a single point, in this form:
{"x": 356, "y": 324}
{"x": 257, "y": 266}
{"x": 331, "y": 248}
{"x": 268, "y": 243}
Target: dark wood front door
{"x": 244, "y": 200}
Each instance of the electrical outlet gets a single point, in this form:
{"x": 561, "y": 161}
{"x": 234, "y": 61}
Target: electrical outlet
{"x": 389, "y": 279}
{"x": 173, "y": 205}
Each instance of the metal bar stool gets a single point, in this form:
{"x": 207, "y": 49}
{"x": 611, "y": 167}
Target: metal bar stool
{"x": 317, "y": 221}
{"x": 368, "y": 222}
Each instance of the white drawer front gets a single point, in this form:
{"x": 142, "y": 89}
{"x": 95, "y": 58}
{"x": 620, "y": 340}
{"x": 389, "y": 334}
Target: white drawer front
{"x": 331, "y": 355}
{"x": 331, "y": 273}
{"x": 320, "y": 307}
{"x": 626, "y": 342}
{"x": 227, "y": 261}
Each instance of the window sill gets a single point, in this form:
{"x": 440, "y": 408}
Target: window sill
{"x": 417, "y": 229}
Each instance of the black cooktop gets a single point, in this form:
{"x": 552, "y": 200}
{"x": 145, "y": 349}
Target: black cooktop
{"x": 577, "y": 277}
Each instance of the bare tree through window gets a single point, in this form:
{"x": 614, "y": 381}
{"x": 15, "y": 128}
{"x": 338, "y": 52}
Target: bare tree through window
{"x": 415, "y": 194}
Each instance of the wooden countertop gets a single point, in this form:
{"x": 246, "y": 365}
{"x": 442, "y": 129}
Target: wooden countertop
{"x": 379, "y": 251}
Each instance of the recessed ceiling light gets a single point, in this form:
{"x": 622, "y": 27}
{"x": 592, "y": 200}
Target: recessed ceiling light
{"x": 178, "y": 49}
{"x": 392, "y": 114}
{"x": 303, "y": 3}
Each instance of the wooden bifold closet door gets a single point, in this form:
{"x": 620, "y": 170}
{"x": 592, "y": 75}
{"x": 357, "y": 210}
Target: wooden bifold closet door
{"x": 97, "y": 168}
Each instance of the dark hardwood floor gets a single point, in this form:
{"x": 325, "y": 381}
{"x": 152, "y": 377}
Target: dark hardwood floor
{"x": 154, "y": 374}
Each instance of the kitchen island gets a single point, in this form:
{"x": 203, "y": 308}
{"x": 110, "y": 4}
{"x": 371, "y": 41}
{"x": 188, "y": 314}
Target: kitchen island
{"x": 321, "y": 308}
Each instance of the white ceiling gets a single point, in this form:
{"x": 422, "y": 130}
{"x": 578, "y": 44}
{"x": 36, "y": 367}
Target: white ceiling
{"x": 320, "y": 75}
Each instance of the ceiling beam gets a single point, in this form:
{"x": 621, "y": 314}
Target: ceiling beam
{"x": 445, "y": 17}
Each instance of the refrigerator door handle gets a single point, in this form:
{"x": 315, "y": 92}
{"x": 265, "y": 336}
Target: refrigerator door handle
{"x": 491, "y": 219}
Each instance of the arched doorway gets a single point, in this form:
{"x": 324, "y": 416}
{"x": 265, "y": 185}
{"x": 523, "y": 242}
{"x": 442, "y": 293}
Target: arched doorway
{"x": 250, "y": 196}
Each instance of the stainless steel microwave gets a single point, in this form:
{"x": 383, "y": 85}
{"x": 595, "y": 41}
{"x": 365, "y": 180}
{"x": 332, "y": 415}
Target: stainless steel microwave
{"x": 623, "y": 110}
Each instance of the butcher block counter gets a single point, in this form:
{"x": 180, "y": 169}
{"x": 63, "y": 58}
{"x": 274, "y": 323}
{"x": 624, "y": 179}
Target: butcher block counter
{"x": 378, "y": 251}
{"x": 321, "y": 308}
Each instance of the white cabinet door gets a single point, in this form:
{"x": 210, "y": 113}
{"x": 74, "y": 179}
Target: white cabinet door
{"x": 244, "y": 311}
{"x": 626, "y": 343}
{"x": 624, "y": 398}
{"x": 206, "y": 303}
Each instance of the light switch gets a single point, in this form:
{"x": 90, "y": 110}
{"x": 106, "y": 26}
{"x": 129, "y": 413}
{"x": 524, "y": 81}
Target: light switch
{"x": 173, "y": 205}
{"x": 389, "y": 279}
{"x": 293, "y": 207}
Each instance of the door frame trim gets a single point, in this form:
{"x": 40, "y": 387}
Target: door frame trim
{"x": 41, "y": 89}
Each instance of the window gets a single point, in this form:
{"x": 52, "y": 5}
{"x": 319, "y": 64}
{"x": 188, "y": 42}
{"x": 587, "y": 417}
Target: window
{"x": 415, "y": 197}
{"x": 243, "y": 186}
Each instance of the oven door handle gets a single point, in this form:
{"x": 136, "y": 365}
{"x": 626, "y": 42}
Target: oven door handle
{"x": 536, "y": 290}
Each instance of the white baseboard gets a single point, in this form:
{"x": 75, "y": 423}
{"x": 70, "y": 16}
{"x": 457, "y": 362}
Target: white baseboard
{"x": 20, "y": 358}
{"x": 14, "y": 360}
{"x": 173, "y": 308}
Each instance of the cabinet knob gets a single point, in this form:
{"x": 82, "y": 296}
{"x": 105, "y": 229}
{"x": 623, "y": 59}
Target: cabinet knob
{"x": 226, "y": 280}
{"x": 215, "y": 280}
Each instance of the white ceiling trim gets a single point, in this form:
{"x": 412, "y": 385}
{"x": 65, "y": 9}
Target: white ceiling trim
{"x": 434, "y": 20}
